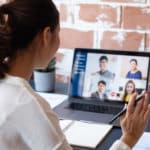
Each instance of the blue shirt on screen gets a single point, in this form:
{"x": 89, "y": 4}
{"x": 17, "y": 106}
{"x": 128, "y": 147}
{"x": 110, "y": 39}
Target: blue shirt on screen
{"x": 136, "y": 75}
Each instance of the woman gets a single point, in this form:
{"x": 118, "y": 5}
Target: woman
{"x": 29, "y": 38}
{"x": 129, "y": 91}
{"x": 134, "y": 73}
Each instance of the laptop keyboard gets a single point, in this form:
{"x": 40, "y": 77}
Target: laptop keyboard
{"x": 107, "y": 109}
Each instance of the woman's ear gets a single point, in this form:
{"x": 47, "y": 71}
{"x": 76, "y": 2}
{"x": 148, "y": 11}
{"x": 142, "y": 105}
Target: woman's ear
{"x": 46, "y": 36}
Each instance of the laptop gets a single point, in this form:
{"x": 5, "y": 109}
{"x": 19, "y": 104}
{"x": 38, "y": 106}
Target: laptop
{"x": 102, "y": 81}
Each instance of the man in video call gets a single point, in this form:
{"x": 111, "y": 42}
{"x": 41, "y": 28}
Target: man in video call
{"x": 100, "y": 93}
{"x": 103, "y": 61}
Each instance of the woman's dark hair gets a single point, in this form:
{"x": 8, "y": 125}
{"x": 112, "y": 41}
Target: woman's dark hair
{"x": 20, "y": 21}
{"x": 134, "y": 90}
{"x": 134, "y": 61}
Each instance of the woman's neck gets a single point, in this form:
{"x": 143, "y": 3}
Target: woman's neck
{"x": 134, "y": 70}
{"x": 23, "y": 65}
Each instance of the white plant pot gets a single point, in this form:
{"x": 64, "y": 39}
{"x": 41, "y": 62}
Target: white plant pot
{"x": 44, "y": 81}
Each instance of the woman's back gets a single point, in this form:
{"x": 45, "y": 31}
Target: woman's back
{"x": 26, "y": 120}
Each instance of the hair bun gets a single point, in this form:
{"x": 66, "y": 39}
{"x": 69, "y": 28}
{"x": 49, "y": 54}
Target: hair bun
{"x": 4, "y": 11}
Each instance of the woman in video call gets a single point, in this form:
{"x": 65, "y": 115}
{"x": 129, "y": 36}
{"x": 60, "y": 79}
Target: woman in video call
{"x": 134, "y": 73}
{"x": 29, "y": 38}
{"x": 129, "y": 91}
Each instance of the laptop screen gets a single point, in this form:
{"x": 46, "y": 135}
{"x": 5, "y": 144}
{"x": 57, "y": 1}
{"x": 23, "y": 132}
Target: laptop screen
{"x": 108, "y": 75}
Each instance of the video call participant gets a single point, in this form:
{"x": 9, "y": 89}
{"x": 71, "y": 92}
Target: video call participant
{"x": 134, "y": 73}
{"x": 29, "y": 38}
{"x": 129, "y": 91}
{"x": 103, "y": 62}
{"x": 102, "y": 74}
{"x": 100, "y": 93}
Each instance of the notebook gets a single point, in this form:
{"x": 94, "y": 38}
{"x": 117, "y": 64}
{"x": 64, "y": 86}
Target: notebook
{"x": 102, "y": 81}
{"x": 84, "y": 134}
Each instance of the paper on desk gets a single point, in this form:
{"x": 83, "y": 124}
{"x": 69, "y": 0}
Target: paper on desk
{"x": 53, "y": 99}
{"x": 144, "y": 142}
{"x": 86, "y": 134}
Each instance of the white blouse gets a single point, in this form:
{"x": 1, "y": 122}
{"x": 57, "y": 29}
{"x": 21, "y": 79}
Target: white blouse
{"x": 27, "y": 122}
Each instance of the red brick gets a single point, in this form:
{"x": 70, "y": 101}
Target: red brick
{"x": 147, "y": 42}
{"x": 122, "y": 40}
{"x": 126, "y": 1}
{"x": 63, "y": 12}
{"x": 71, "y": 38}
{"x": 103, "y": 13}
{"x": 8, "y": 0}
{"x": 136, "y": 18}
{"x": 62, "y": 78}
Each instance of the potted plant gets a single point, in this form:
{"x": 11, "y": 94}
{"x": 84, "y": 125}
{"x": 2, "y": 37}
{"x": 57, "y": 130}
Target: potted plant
{"x": 44, "y": 79}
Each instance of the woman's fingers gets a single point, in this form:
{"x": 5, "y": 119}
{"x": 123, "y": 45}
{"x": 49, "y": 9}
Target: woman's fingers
{"x": 135, "y": 121}
{"x": 147, "y": 114}
{"x": 139, "y": 107}
{"x": 130, "y": 108}
{"x": 145, "y": 105}
{"x": 122, "y": 116}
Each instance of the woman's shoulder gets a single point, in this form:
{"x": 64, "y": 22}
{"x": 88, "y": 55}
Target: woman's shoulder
{"x": 16, "y": 90}
{"x": 138, "y": 71}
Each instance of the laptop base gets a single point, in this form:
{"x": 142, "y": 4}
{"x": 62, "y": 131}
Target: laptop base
{"x": 64, "y": 112}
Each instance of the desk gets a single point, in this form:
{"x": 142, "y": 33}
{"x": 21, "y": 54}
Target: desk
{"x": 55, "y": 99}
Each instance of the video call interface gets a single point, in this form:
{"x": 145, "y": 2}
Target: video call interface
{"x": 103, "y": 76}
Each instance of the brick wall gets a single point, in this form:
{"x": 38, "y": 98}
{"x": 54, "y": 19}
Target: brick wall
{"x": 123, "y": 24}
{"x": 108, "y": 24}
